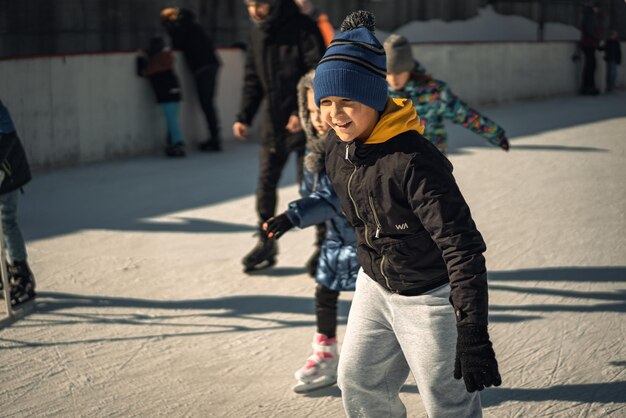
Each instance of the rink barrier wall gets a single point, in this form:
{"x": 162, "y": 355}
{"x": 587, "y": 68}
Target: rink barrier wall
{"x": 84, "y": 108}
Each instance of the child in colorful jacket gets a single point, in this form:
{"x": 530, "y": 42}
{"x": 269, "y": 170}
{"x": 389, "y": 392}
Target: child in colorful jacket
{"x": 433, "y": 99}
{"x": 338, "y": 262}
{"x": 421, "y": 298}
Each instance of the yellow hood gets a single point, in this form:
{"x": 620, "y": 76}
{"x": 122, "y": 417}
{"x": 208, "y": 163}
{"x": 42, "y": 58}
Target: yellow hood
{"x": 399, "y": 116}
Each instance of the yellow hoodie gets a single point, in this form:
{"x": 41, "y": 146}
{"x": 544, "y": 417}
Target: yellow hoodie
{"x": 399, "y": 116}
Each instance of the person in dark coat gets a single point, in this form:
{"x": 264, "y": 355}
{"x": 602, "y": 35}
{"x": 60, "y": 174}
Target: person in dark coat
{"x": 157, "y": 64}
{"x": 613, "y": 58}
{"x": 283, "y": 45}
{"x": 589, "y": 42}
{"x": 14, "y": 174}
{"x": 197, "y": 48}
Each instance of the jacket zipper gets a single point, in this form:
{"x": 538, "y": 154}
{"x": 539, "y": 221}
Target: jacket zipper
{"x": 356, "y": 209}
{"x": 378, "y": 226}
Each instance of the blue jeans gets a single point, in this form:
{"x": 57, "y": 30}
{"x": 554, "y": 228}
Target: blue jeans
{"x": 13, "y": 240}
{"x": 170, "y": 110}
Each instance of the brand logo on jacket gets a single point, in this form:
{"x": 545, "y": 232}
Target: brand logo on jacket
{"x": 402, "y": 226}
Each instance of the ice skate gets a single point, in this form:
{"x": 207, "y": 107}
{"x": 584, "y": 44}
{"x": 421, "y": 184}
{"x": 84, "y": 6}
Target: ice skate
{"x": 320, "y": 369}
{"x": 262, "y": 256}
{"x": 21, "y": 283}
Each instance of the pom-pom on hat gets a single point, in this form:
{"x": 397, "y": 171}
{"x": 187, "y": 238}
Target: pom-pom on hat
{"x": 354, "y": 65}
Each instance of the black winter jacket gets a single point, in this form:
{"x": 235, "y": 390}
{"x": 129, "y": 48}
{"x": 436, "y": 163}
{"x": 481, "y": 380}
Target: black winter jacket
{"x": 189, "y": 38}
{"x": 13, "y": 163}
{"x": 414, "y": 228}
{"x": 281, "y": 49}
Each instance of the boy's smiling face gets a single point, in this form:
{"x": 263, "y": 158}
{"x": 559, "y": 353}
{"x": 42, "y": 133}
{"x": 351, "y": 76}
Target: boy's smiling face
{"x": 349, "y": 119}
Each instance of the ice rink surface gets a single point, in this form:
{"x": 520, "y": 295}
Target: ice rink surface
{"x": 144, "y": 310}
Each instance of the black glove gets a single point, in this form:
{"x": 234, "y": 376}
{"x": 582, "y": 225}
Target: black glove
{"x": 475, "y": 360}
{"x": 275, "y": 227}
{"x": 504, "y": 143}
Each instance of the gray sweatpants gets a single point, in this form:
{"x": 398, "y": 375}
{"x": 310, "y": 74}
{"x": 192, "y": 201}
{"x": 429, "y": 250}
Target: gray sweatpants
{"x": 389, "y": 335}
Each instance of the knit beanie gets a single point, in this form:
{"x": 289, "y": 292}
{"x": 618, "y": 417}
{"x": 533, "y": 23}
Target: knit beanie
{"x": 354, "y": 65}
{"x": 399, "y": 55}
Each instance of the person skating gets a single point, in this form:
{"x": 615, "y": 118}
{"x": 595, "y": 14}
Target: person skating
{"x": 338, "y": 263}
{"x": 589, "y": 43}
{"x": 421, "y": 291}
{"x": 197, "y": 47}
{"x": 613, "y": 57}
{"x": 434, "y": 101}
{"x": 14, "y": 174}
{"x": 283, "y": 45}
{"x": 157, "y": 64}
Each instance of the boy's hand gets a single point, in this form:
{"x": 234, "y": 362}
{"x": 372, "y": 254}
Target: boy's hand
{"x": 475, "y": 360}
{"x": 275, "y": 227}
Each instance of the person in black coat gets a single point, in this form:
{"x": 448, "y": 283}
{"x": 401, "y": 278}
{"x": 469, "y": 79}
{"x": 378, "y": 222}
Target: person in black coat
{"x": 283, "y": 45}
{"x": 589, "y": 42}
{"x": 197, "y": 48}
{"x": 613, "y": 58}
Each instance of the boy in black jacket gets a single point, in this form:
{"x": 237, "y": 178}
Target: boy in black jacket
{"x": 417, "y": 244}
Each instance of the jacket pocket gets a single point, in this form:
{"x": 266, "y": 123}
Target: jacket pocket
{"x": 414, "y": 260}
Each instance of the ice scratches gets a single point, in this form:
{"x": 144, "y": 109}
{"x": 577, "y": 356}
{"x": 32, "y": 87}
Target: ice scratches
{"x": 559, "y": 357}
{"x": 130, "y": 358}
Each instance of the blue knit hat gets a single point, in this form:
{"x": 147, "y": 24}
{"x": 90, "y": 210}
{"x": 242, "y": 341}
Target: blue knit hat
{"x": 354, "y": 65}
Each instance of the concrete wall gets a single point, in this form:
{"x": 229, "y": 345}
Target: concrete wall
{"x": 85, "y": 108}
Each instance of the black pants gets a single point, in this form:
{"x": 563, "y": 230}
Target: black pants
{"x": 326, "y": 310}
{"x": 271, "y": 164}
{"x": 205, "y": 86}
{"x": 589, "y": 69}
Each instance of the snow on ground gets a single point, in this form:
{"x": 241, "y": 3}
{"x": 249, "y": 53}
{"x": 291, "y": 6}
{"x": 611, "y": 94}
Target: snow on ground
{"x": 487, "y": 25}
{"x": 144, "y": 309}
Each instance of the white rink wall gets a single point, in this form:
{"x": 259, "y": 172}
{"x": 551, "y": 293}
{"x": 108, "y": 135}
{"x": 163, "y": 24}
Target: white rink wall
{"x": 79, "y": 109}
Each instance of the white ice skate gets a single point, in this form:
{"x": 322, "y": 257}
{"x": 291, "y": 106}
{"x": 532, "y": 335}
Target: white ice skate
{"x": 320, "y": 369}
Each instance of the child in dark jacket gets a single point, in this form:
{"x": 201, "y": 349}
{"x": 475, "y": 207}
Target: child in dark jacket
{"x": 433, "y": 99}
{"x": 422, "y": 286}
{"x": 613, "y": 58}
{"x": 14, "y": 174}
{"x": 157, "y": 64}
{"x": 338, "y": 263}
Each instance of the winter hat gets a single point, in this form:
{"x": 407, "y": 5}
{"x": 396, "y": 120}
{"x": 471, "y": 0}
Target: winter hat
{"x": 354, "y": 65}
{"x": 399, "y": 55}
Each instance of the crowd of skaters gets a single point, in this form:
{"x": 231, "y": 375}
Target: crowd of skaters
{"x": 352, "y": 110}
{"x": 363, "y": 87}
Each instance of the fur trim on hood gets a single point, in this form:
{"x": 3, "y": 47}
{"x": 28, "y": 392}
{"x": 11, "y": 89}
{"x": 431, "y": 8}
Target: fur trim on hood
{"x": 314, "y": 160}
